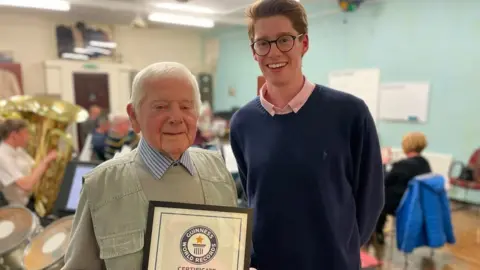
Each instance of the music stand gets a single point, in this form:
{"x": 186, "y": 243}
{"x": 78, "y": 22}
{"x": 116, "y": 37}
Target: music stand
{"x": 67, "y": 200}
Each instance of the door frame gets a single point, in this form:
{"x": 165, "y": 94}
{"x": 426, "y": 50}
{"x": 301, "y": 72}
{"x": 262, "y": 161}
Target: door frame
{"x": 59, "y": 81}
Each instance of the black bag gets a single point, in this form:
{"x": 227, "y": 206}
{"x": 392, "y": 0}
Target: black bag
{"x": 466, "y": 174}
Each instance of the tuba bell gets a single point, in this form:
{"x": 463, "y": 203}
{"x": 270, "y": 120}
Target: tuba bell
{"x": 8, "y": 110}
{"x": 49, "y": 119}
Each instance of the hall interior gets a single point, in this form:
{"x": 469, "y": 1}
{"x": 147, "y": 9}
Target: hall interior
{"x": 414, "y": 63}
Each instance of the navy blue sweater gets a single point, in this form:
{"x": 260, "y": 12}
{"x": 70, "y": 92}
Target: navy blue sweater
{"x": 314, "y": 179}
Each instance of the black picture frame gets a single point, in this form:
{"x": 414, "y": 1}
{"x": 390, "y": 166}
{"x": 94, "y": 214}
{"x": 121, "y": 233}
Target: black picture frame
{"x": 187, "y": 206}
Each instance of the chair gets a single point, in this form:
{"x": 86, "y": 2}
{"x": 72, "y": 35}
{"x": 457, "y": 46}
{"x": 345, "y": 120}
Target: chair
{"x": 465, "y": 182}
{"x": 423, "y": 218}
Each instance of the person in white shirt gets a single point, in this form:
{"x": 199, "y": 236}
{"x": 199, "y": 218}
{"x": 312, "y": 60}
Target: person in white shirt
{"x": 17, "y": 172}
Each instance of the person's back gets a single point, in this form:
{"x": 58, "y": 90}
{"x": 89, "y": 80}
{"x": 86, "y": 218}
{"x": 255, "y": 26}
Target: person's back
{"x": 403, "y": 171}
{"x": 98, "y": 145}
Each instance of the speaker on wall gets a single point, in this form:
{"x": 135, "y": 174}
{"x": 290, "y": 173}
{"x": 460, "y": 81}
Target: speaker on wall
{"x": 205, "y": 83}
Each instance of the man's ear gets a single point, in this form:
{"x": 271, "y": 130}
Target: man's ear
{"x": 305, "y": 44}
{"x": 133, "y": 118}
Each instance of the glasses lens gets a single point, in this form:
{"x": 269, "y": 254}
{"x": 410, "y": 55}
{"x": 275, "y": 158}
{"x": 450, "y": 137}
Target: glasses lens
{"x": 285, "y": 43}
{"x": 261, "y": 47}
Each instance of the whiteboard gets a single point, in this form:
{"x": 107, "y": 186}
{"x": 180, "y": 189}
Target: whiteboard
{"x": 404, "y": 101}
{"x": 362, "y": 83}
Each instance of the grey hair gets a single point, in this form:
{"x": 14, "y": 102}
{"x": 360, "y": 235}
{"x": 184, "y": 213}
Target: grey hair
{"x": 163, "y": 70}
{"x": 117, "y": 118}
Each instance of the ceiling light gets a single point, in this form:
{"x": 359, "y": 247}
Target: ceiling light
{"x": 181, "y": 20}
{"x": 103, "y": 44}
{"x": 58, "y": 5}
{"x": 185, "y": 8}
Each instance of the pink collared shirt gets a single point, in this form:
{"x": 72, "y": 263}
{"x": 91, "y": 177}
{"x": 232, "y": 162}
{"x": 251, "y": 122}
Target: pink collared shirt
{"x": 294, "y": 105}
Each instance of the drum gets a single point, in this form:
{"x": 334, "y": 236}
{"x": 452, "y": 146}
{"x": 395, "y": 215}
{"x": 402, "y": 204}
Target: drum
{"x": 18, "y": 226}
{"x": 47, "y": 249}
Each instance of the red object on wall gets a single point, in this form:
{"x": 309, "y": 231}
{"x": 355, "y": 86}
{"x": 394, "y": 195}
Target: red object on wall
{"x": 260, "y": 83}
{"x": 16, "y": 69}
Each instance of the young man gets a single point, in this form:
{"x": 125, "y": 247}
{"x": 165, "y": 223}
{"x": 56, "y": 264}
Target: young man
{"x": 308, "y": 156}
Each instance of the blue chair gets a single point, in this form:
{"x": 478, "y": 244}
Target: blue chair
{"x": 423, "y": 218}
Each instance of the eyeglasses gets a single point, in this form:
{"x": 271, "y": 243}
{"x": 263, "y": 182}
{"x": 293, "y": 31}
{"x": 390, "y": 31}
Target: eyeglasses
{"x": 284, "y": 44}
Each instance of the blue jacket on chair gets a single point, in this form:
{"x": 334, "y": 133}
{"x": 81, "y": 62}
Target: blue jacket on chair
{"x": 423, "y": 217}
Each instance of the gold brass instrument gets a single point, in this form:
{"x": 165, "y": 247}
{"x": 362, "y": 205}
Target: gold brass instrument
{"x": 49, "y": 118}
{"x": 8, "y": 110}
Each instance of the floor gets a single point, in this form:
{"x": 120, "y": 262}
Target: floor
{"x": 464, "y": 255}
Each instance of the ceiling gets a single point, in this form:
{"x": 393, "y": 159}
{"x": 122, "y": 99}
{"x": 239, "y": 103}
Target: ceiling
{"x": 224, "y": 11}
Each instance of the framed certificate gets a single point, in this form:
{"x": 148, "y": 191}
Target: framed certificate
{"x": 189, "y": 236}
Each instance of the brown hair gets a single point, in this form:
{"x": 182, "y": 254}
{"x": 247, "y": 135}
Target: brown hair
{"x": 291, "y": 9}
{"x": 414, "y": 142}
{"x": 11, "y": 125}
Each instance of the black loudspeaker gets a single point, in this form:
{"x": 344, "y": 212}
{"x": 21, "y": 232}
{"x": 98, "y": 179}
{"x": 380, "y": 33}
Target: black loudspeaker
{"x": 205, "y": 83}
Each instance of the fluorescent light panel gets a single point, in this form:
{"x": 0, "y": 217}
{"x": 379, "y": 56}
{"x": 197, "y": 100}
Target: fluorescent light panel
{"x": 181, "y": 20}
{"x": 185, "y": 8}
{"x": 58, "y": 5}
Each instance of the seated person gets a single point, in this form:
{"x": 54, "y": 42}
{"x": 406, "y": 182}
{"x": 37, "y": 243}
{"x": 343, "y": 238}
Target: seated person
{"x": 98, "y": 138}
{"x": 18, "y": 175}
{"x": 397, "y": 179}
{"x": 119, "y": 135}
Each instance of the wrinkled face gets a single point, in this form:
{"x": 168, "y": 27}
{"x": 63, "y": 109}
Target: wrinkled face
{"x": 166, "y": 116}
{"x": 21, "y": 137}
{"x": 284, "y": 60}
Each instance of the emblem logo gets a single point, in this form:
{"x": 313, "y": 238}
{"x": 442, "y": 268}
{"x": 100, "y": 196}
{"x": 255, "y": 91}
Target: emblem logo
{"x": 199, "y": 245}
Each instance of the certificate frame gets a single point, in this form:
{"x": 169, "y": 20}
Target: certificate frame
{"x": 168, "y": 207}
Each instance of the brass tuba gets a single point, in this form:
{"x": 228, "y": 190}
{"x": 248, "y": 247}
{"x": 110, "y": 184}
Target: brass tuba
{"x": 8, "y": 110}
{"x": 49, "y": 118}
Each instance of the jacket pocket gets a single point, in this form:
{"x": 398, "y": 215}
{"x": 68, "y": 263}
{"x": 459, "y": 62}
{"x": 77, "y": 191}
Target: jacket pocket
{"x": 123, "y": 250}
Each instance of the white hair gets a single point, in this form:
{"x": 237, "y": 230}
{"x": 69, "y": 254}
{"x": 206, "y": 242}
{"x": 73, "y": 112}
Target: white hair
{"x": 163, "y": 70}
{"x": 117, "y": 118}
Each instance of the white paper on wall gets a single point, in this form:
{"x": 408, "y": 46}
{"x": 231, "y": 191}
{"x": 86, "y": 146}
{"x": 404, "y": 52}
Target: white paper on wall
{"x": 362, "y": 83}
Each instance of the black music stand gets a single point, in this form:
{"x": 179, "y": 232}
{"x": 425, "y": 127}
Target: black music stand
{"x": 67, "y": 200}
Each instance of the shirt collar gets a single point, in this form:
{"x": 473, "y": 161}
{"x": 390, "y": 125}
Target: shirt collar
{"x": 293, "y": 105}
{"x": 8, "y": 149}
{"x": 158, "y": 164}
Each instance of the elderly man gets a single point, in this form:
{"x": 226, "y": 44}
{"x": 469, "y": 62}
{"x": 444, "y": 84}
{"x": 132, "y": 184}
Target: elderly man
{"x": 118, "y": 136}
{"x": 110, "y": 222}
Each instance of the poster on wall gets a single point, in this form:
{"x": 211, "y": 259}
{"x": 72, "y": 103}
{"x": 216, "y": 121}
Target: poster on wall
{"x": 81, "y": 41}
{"x": 10, "y": 80}
{"x": 362, "y": 83}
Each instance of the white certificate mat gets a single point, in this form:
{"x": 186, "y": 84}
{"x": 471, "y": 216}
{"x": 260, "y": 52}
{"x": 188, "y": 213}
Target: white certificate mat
{"x": 187, "y": 236}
